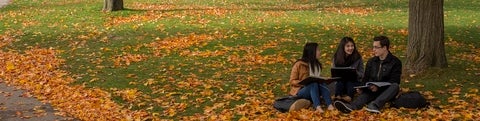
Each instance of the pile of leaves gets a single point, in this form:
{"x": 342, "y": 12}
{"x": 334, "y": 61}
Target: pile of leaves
{"x": 37, "y": 71}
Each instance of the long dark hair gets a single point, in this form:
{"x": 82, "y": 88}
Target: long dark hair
{"x": 341, "y": 58}
{"x": 309, "y": 56}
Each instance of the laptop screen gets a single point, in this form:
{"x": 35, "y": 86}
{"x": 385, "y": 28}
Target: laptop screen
{"x": 345, "y": 73}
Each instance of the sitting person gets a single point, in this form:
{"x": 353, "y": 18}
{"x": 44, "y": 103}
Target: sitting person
{"x": 347, "y": 55}
{"x": 307, "y": 66}
{"x": 384, "y": 67}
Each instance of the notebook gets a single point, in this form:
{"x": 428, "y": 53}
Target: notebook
{"x": 312, "y": 79}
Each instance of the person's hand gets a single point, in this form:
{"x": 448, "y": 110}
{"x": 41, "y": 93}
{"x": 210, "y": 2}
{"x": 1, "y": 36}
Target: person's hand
{"x": 359, "y": 91}
{"x": 373, "y": 88}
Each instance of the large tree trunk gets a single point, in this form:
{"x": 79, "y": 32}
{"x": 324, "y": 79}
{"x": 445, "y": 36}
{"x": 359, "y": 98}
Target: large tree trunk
{"x": 112, "y": 5}
{"x": 425, "y": 36}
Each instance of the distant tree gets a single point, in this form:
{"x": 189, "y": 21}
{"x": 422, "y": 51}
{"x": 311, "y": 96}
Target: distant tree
{"x": 112, "y": 5}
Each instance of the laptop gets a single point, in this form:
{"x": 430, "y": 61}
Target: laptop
{"x": 345, "y": 73}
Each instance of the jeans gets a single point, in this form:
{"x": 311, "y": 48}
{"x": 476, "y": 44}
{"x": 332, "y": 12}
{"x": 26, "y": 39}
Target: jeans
{"x": 378, "y": 98}
{"x": 313, "y": 91}
{"x": 345, "y": 88}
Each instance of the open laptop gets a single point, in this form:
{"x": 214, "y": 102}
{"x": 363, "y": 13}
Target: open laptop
{"x": 345, "y": 73}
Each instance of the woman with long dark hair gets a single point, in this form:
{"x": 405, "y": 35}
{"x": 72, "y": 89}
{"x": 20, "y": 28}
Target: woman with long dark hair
{"x": 347, "y": 55}
{"x": 307, "y": 66}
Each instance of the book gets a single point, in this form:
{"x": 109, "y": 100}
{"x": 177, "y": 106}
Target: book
{"x": 318, "y": 79}
{"x": 346, "y": 73}
{"x": 378, "y": 84}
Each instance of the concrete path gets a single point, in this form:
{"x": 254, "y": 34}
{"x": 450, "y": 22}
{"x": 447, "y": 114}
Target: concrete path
{"x": 16, "y": 105}
{"x": 4, "y": 2}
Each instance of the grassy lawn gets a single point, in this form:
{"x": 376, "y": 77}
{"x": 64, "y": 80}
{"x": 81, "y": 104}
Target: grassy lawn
{"x": 181, "y": 59}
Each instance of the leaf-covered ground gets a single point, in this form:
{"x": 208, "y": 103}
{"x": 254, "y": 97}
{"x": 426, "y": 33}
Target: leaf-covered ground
{"x": 217, "y": 60}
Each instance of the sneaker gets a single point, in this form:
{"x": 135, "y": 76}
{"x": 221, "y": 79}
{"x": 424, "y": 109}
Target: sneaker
{"x": 300, "y": 104}
{"x": 330, "y": 107}
{"x": 337, "y": 98}
{"x": 343, "y": 107}
{"x": 347, "y": 98}
{"x": 372, "y": 108}
{"x": 319, "y": 110}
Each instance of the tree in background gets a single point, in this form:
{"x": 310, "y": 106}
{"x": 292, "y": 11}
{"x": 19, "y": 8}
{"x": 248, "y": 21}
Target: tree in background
{"x": 112, "y": 5}
{"x": 426, "y": 47}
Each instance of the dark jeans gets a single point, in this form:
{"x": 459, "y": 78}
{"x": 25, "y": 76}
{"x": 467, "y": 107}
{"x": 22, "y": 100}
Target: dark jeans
{"x": 379, "y": 98}
{"x": 345, "y": 88}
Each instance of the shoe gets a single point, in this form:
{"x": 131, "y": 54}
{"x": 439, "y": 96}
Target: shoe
{"x": 330, "y": 107}
{"x": 300, "y": 104}
{"x": 319, "y": 110}
{"x": 343, "y": 107}
{"x": 372, "y": 108}
{"x": 337, "y": 98}
{"x": 347, "y": 98}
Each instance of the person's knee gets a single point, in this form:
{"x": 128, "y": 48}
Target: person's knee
{"x": 310, "y": 85}
{"x": 315, "y": 86}
{"x": 395, "y": 86}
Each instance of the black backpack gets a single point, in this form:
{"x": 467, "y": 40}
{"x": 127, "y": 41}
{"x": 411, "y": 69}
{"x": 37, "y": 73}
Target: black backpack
{"x": 412, "y": 99}
{"x": 283, "y": 104}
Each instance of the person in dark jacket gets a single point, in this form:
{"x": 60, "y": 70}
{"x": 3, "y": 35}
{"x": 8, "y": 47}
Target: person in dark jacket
{"x": 384, "y": 67}
{"x": 347, "y": 55}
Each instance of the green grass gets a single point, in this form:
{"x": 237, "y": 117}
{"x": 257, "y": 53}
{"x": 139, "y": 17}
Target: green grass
{"x": 58, "y": 24}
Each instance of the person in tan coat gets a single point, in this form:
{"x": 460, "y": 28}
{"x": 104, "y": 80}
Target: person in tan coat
{"x": 307, "y": 66}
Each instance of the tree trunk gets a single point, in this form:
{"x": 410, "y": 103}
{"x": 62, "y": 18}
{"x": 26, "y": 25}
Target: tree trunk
{"x": 112, "y": 5}
{"x": 426, "y": 47}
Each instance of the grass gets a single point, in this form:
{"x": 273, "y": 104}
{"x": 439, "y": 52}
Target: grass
{"x": 78, "y": 27}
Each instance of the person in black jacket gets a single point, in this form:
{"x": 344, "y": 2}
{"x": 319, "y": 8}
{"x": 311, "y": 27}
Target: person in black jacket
{"x": 384, "y": 67}
{"x": 347, "y": 55}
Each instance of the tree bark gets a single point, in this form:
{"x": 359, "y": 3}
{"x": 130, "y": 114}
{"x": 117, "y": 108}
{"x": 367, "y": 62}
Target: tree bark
{"x": 426, "y": 47}
{"x": 112, "y": 5}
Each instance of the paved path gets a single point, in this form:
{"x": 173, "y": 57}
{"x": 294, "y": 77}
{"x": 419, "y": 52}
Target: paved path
{"x": 16, "y": 105}
{"x": 3, "y": 3}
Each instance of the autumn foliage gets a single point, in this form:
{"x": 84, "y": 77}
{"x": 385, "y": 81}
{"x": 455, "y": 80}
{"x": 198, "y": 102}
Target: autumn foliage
{"x": 37, "y": 71}
{"x": 225, "y": 60}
